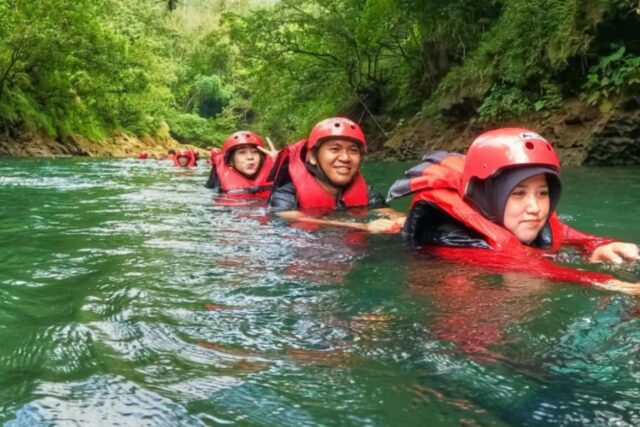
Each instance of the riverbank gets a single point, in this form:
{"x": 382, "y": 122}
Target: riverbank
{"x": 120, "y": 145}
{"x": 582, "y": 135}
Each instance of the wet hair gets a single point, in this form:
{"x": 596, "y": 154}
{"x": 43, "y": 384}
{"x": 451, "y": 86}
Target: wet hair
{"x": 171, "y": 151}
{"x": 489, "y": 196}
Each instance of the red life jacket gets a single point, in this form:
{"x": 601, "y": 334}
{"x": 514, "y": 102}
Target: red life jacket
{"x": 310, "y": 193}
{"x": 234, "y": 183}
{"x": 189, "y": 155}
{"x": 436, "y": 181}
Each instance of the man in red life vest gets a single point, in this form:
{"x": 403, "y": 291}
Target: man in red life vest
{"x": 322, "y": 173}
{"x": 502, "y": 196}
{"x": 242, "y": 167}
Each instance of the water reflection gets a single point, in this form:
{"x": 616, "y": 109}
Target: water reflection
{"x": 472, "y": 307}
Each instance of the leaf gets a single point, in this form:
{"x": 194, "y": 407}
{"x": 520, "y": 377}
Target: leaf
{"x": 605, "y": 106}
{"x": 593, "y": 78}
{"x": 618, "y": 54}
{"x": 592, "y": 99}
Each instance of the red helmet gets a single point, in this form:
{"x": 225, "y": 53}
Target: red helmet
{"x": 188, "y": 154}
{"x": 502, "y": 148}
{"x": 243, "y": 137}
{"x": 338, "y": 128}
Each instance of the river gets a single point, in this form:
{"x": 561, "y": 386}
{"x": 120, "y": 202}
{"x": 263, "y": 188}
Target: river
{"x": 128, "y": 297}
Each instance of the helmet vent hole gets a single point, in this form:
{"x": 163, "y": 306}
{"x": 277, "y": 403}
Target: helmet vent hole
{"x": 235, "y": 137}
{"x": 529, "y": 145}
{"x": 336, "y": 125}
{"x": 548, "y": 147}
{"x": 353, "y": 127}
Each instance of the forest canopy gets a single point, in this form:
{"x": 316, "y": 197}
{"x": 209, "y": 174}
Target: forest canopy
{"x": 207, "y": 68}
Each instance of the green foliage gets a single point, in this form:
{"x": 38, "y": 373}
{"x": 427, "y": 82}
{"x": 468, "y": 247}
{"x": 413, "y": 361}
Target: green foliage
{"x": 302, "y": 60}
{"x": 614, "y": 73}
{"x": 508, "y": 102}
{"x": 82, "y": 67}
{"x": 531, "y": 41}
{"x": 209, "y": 67}
{"x": 505, "y": 102}
{"x": 192, "y": 128}
{"x": 207, "y": 96}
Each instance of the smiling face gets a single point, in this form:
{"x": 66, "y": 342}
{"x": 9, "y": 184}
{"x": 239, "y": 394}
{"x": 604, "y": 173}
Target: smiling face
{"x": 183, "y": 160}
{"x": 339, "y": 159}
{"x": 246, "y": 160}
{"x": 527, "y": 208}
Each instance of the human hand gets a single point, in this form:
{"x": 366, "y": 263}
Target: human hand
{"x": 290, "y": 215}
{"x": 620, "y": 286}
{"x": 271, "y": 151}
{"x": 384, "y": 225}
{"x": 615, "y": 252}
{"x": 400, "y": 220}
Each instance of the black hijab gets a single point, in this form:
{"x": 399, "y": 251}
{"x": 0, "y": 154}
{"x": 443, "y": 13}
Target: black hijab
{"x": 489, "y": 196}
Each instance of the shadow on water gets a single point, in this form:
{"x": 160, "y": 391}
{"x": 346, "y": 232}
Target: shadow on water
{"x": 127, "y": 296}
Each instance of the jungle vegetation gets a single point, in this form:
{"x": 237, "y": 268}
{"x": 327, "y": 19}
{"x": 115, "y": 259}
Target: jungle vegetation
{"x": 206, "y": 68}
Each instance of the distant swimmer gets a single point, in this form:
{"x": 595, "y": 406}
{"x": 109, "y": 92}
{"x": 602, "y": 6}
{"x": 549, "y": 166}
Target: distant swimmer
{"x": 185, "y": 158}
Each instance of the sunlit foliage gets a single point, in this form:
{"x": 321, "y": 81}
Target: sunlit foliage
{"x": 209, "y": 67}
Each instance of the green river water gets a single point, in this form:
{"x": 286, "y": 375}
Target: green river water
{"x": 127, "y": 297}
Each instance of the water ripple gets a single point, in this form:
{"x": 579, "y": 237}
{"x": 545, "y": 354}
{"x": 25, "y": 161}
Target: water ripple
{"x": 129, "y": 296}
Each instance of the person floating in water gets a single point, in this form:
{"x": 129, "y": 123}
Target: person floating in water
{"x": 185, "y": 159}
{"x": 212, "y": 155}
{"x": 171, "y": 153}
{"x": 502, "y": 196}
{"x": 322, "y": 173}
{"x": 242, "y": 167}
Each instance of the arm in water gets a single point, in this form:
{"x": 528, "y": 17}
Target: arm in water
{"x": 532, "y": 263}
{"x": 390, "y": 225}
{"x": 601, "y": 249}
